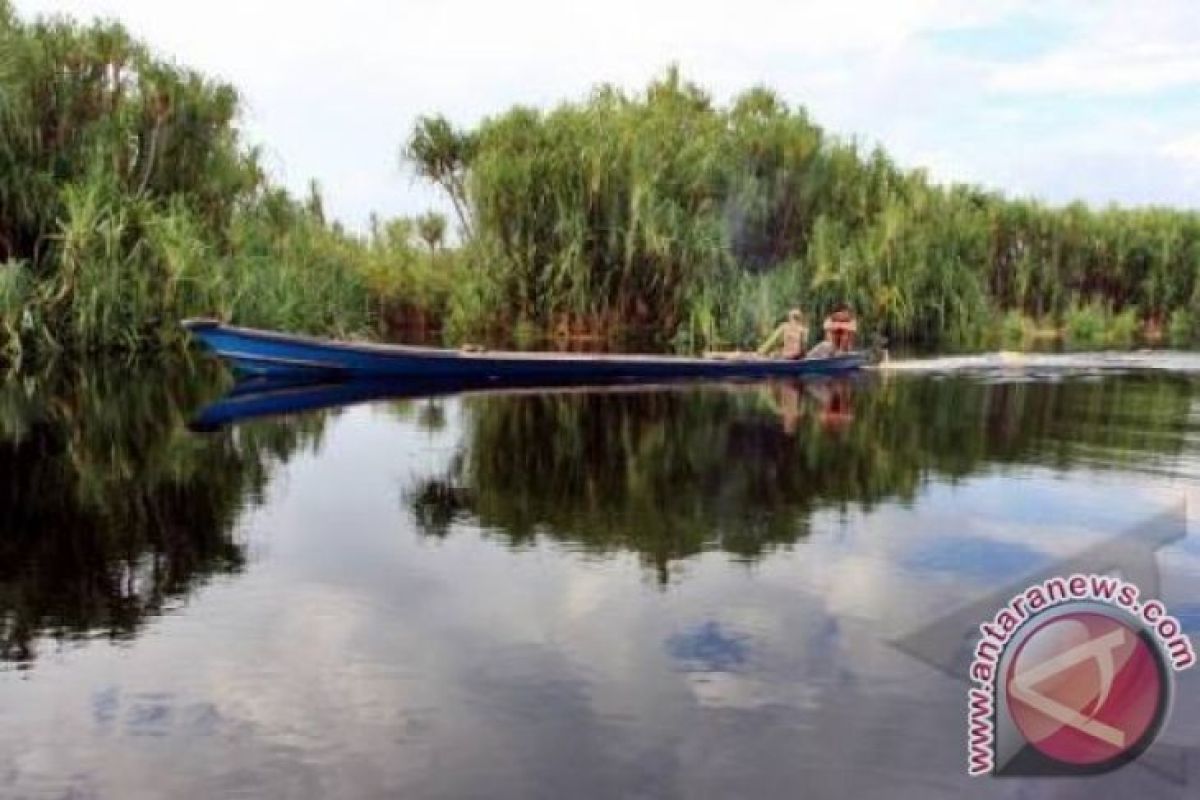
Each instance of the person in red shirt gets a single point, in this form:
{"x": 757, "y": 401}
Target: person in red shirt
{"x": 841, "y": 328}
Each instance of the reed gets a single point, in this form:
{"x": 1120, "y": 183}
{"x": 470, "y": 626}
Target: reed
{"x": 128, "y": 202}
{"x": 662, "y": 209}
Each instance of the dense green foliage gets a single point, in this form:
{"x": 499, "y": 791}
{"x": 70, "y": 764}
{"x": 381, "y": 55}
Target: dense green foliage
{"x": 128, "y": 202}
{"x": 666, "y": 210}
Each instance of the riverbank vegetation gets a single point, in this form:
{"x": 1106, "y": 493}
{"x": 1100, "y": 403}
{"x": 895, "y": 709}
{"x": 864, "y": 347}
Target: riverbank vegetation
{"x": 666, "y": 209}
{"x": 128, "y": 201}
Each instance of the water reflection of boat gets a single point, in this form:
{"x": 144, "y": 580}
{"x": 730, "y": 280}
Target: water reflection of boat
{"x": 261, "y": 396}
{"x": 269, "y": 353}
{"x": 270, "y": 396}
{"x": 830, "y": 400}
{"x": 835, "y": 400}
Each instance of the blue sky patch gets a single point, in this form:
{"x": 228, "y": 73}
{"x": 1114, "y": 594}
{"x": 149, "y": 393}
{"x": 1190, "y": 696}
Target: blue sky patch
{"x": 1017, "y": 38}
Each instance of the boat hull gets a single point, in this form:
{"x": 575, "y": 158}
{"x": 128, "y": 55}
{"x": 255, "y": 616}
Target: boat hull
{"x": 258, "y": 352}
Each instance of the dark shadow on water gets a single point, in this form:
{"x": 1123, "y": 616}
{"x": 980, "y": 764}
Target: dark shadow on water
{"x": 671, "y": 470}
{"x": 669, "y": 474}
{"x": 109, "y": 508}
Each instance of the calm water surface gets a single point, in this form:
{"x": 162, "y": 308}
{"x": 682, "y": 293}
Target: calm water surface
{"x": 664, "y": 592}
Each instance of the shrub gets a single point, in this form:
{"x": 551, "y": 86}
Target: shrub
{"x": 1085, "y": 324}
{"x": 1123, "y": 327}
{"x": 1181, "y": 329}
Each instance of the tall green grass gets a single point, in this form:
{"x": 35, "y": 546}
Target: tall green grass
{"x": 128, "y": 202}
{"x": 663, "y": 209}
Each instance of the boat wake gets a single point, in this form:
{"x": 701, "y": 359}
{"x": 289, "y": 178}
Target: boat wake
{"x": 1009, "y": 365}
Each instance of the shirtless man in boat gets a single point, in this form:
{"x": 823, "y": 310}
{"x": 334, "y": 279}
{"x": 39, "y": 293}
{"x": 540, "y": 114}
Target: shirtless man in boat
{"x": 791, "y": 337}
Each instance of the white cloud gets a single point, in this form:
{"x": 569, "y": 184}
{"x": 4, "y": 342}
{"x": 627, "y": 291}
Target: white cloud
{"x": 1118, "y": 48}
{"x": 1114, "y": 70}
{"x": 1186, "y": 148}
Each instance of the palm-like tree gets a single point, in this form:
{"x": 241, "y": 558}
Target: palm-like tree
{"x": 442, "y": 154}
{"x": 431, "y": 227}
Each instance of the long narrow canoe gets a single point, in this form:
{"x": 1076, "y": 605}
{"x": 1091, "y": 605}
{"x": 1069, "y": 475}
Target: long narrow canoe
{"x": 258, "y": 352}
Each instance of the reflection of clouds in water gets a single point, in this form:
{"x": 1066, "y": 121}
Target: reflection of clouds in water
{"x": 963, "y": 536}
{"x": 973, "y": 557}
{"x": 358, "y": 656}
{"x": 1041, "y": 497}
{"x": 708, "y": 647}
{"x": 787, "y": 654}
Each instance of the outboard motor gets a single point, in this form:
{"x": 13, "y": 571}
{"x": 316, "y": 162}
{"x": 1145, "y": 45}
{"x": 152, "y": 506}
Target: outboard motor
{"x": 877, "y": 353}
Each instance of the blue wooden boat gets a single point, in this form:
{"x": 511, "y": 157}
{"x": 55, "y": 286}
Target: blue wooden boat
{"x": 258, "y": 352}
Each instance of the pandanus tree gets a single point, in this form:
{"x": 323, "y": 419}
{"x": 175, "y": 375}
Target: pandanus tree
{"x": 442, "y": 154}
{"x": 431, "y": 227}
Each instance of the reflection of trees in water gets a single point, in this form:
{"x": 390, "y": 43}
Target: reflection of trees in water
{"x": 667, "y": 474}
{"x": 108, "y": 506}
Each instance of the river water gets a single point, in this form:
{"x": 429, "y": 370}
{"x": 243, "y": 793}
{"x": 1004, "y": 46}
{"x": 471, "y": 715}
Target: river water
{"x": 674, "y": 591}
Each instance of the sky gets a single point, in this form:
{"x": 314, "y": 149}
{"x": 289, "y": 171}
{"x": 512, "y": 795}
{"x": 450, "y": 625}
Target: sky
{"x": 1096, "y": 100}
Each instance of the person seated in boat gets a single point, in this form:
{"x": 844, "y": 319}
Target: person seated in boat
{"x": 825, "y": 348}
{"x": 791, "y": 337}
{"x": 841, "y": 328}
